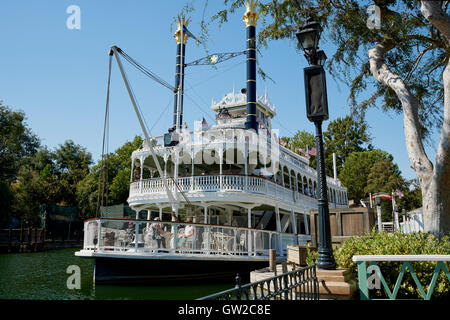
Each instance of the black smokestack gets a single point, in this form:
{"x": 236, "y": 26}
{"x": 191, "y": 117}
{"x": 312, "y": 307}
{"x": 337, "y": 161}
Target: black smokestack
{"x": 250, "y": 18}
{"x": 179, "y": 72}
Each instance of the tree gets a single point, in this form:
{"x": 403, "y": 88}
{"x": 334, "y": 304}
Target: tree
{"x": 357, "y": 167}
{"x": 342, "y": 137}
{"x": 402, "y": 64}
{"x": 118, "y": 166}
{"x": 412, "y": 197}
{"x": 384, "y": 176}
{"x": 17, "y": 142}
{"x": 302, "y": 139}
{"x": 72, "y": 162}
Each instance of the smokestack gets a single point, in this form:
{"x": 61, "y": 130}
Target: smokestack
{"x": 179, "y": 71}
{"x": 250, "y": 18}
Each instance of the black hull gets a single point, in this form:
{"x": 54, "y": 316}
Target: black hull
{"x": 161, "y": 271}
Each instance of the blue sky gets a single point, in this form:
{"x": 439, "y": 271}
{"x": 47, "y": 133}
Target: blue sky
{"x": 58, "y": 76}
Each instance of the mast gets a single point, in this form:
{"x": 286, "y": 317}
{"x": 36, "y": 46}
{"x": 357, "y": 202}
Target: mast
{"x": 181, "y": 38}
{"x": 250, "y": 18}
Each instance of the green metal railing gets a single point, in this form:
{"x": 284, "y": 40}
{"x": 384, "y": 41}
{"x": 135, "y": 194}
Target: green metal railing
{"x": 368, "y": 271}
{"x": 299, "y": 284}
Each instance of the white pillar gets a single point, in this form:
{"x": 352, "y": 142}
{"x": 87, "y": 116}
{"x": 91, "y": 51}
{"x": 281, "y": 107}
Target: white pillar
{"x": 141, "y": 159}
{"x": 303, "y": 186}
{"x": 220, "y": 169}
{"x": 250, "y": 233}
{"x": 293, "y": 222}
{"x": 174, "y": 228}
{"x": 334, "y": 167}
{"x": 132, "y": 169}
{"x": 277, "y": 218}
{"x": 149, "y": 214}
{"x": 397, "y": 224}
{"x": 192, "y": 169}
{"x": 380, "y": 229}
{"x": 160, "y": 213}
{"x": 207, "y": 229}
{"x": 205, "y": 214}
{"x": 278, "y": 222}
{"x": 305, "y": 219}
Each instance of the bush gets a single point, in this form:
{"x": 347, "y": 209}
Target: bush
{"x": 397, "y": 244}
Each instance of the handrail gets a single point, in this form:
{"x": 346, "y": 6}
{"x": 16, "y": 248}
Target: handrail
{"x": 261, "y": 178}
{"x": 190, "y": 223}
{"x": 117, "y": 234}
{"x": 415, "y": 257}
{"x": 365, "y": 281}
{"x": 298, "y": 284}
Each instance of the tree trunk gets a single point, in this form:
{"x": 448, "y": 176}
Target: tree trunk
{"x": 437, "y": 201}
{"x": 434, "y": 180}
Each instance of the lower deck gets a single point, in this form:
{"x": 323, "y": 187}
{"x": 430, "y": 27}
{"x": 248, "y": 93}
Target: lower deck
{"x": 153, "y": 238}
{"x": 152, "y": 251}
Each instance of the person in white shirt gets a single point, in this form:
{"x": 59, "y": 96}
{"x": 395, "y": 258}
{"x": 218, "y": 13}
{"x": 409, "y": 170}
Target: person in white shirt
{"x": 188, "y": 233}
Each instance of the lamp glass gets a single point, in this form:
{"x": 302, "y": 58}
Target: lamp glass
{"x": 322, "y": 57}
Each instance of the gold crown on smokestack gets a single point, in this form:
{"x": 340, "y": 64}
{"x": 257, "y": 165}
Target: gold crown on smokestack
{"x": 180, "y": 22}
{"x": 250, "y": 16}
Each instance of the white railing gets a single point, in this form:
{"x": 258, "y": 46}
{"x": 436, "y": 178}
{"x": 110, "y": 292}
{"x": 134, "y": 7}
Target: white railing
{"x": 413, "y": 223}
{"x": 154, "y": 188}
{"x": 161, "y": 237}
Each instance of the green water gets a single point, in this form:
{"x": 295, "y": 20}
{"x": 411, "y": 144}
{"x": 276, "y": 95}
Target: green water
{"x": 42, "y": 275}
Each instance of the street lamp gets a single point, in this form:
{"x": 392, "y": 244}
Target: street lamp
{"x": 317, "y": 111}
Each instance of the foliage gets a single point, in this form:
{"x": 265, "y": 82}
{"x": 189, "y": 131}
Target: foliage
{"x": 16, "y": 142}
{"x": 384, "y": 176}
{"x": 356, "y": 170}
{"x": 412, "y": 197}
{"x": 48, "y": 177}
{"x": 398, "y": 244}
{"x": 417, "y": 50}
{"x": 72, "y": 163}
{"x": 301, "y": 139}
{"x": 117, "y": 166}
{"x": 342, "y": 137}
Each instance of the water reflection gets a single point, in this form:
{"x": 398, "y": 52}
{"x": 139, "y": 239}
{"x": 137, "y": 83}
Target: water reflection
{"x": 43, "y": 276}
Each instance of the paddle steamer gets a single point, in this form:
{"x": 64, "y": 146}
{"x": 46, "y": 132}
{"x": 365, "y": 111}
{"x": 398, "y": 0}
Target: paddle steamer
{"x": 223, "y": 194}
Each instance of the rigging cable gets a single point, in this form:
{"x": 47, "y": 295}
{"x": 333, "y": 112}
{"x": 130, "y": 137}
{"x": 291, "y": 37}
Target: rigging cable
{"x": 145, "y": 71}
{"x": 103, "y": 176}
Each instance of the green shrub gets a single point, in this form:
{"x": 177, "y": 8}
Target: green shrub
{"x": 397, "y": 244}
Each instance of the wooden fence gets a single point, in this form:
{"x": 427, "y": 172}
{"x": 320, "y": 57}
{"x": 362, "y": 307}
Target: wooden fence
{"x": 344, "y": 223}
{"x": 21, "y": 240}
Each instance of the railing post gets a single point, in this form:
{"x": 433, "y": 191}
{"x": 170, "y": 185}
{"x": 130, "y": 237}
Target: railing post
{"x": 238, "y": 287}
{"x": 362, "y": 279}
{"x": 136, "y": 236}
{"x": 316, "y": 283}
{"x": 272, "y": 258}
{"x": 99, "y": 233}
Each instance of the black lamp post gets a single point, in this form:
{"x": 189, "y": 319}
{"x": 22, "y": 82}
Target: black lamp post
{"x": 317, "y": 111}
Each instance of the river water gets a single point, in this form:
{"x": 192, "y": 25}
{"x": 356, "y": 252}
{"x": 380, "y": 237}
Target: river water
{"x": 42, "y": 275}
